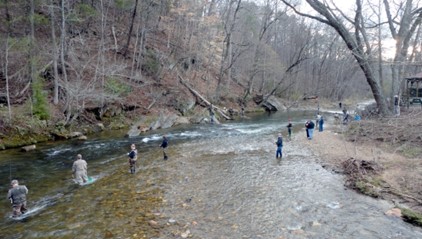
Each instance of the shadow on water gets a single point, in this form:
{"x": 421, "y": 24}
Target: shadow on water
{"x": 221, "y": 181}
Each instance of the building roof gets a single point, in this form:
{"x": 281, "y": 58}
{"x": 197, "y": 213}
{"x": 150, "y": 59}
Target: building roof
{"x": 415, "y": 77}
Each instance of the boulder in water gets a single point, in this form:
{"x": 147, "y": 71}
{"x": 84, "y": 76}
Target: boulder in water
{"x": 29, "y": 148}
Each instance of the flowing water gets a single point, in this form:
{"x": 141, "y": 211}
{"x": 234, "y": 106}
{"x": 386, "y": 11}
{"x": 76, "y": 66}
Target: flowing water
{"x": 220, "y": 181}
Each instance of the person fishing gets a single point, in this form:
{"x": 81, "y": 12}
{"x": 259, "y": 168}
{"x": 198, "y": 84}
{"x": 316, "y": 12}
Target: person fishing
{"x": 279, "y": 144}
{"x": 211, "y": 111}
{"x": 310, "y": 129}
{"x": 17, "y": 196}
{"x": 79, "y": 170}
{"x": 133, "y": 156}
{"x": 289, "y": 129}
{"x": 321, "y": 124}
{"x": 164, "y": 145}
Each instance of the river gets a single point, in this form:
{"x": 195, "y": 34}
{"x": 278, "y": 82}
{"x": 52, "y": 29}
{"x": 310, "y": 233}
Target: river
{"x": 220, "y": 181}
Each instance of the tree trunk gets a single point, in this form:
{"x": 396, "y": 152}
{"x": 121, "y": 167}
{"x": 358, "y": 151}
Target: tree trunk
{"x": 55, "y": 55}
{"x": 129, "y": 35}
{"x": 67, "y": 108}
{"x": 353, "y": 42}
{"x": 6, "y": 73}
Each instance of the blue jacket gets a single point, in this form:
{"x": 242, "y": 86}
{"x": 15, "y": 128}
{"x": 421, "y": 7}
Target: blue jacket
{"x": 279, "y": 142}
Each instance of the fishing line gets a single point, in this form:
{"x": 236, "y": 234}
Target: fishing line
{"x": 10, "y": 170}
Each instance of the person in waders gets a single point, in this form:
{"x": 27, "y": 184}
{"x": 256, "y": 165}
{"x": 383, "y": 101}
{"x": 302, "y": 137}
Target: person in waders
{"x": 289, "y": 129}
{"x": 17, "y": 196}
{"x": 79, "y": 170}
{"x": 164, "y": 145}
{"x": 279, "y": 143}
{"x": 133, "y": 156}
{"x": 211, "y": 110}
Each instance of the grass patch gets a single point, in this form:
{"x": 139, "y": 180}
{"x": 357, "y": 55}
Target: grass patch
{"x": 410, "y": 151}
{"x": 412, "y": 217}
{"x": 366, "y": 188}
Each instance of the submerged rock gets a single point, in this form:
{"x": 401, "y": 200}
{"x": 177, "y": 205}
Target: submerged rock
{"x": 394, "y": 212}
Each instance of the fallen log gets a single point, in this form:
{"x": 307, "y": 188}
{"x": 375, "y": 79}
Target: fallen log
{"x": 205, "y": 101}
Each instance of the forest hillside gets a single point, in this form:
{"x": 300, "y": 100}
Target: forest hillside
{"x": 68, "y": 62}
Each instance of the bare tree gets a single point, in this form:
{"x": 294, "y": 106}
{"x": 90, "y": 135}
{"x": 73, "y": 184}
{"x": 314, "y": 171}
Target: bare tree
{"x": 129, "y": 35}
{"x": 55, "y": 54}
{"x": 226, "y": 58}
{"x": 268, "y": 19}
{"x": 6, "y": 73}
{"x": 402, "y": 25}
{"x": 356, "y": 41}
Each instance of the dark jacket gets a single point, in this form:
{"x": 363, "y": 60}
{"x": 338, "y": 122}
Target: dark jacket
{"x": 132, "y": 154}
{"x": 310, "y": 125}
{"x": 165, "y": 143}
{"x": 279, "y": 142}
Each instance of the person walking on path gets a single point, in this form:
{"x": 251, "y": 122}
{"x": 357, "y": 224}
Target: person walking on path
{"x": 289, "y": 129}
{"x": 79, "y": 170}
{"x": 164, "y": 145}
{"x": 310, "y": 129}
{"x": 279, "y": 143}
{"x": 17, "y": 196}
{"x": 133, "y": 156}
{"x": 321, "y": 124}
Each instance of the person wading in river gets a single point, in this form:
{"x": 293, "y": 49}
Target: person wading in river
{"x": 17, "y": 196}
{"x": 164, "y": 145}
{"x": 279, "y": 143}
{"x": 79, "y": 170}
{"x": 289, "y": 129}
{"x": 133, "y": 156}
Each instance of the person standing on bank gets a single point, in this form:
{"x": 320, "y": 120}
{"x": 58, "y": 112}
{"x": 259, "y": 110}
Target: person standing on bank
{"x": 318, "y": 117}
{"x": 164, "y": 145}
{"x": 321, "y": 124}
{"x": 17, "y": 196}
{"x": 307, "y": 129}
{"x": 79, "y": 170}
{"x": 289, "y": 129}
{"x": 279, "y": 143}
{"x": 310, "y": 129}
{"x": 133, "y": 156}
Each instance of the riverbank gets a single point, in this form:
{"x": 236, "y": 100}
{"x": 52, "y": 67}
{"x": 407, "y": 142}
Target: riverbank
{"x": 372, "y": 164}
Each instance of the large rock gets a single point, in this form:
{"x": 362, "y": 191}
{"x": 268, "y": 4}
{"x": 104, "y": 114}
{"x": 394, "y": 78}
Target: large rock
{"x": 166, "y": 120}
{"x": 137, "y": 128}
{"x": 273, "y": 104}
{"x": 182, "y": 120}
{"x": 184, "y": 105}
{"x": 75, "y": 134}
{"x": 29, "y": 148}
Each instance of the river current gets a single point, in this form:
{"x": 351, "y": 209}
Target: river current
{"x": 220, "y": 181}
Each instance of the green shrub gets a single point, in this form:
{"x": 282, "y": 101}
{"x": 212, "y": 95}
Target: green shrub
{"x": 116, "y": 87}
{"x": 151, "y": 64}
{"x": 40, "y": 105}
{"x": 412, "y": 217}
{"x": 410, "y": 152}
{"x": 366, "y": 188}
